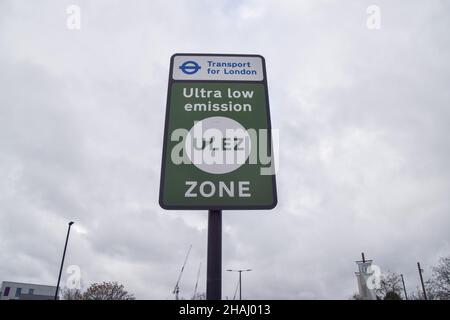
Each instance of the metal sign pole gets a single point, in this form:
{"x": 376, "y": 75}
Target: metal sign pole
{"x": 214, "y": 263}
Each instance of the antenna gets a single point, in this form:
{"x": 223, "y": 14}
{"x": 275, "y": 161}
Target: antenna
{"x": 176, "y": 290}
{"x": 198, "y": 276}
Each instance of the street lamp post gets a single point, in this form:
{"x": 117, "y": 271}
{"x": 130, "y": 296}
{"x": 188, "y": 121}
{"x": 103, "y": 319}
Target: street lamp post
{"x": 404, "y": 287}
{"x": 421, "y": 281}
{"x": 62, "y": 261}
{"x": 240, "y": 279}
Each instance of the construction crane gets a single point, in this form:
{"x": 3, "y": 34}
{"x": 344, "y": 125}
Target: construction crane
{"x": 176, "y": 290}
{"x": 198, "y": 276}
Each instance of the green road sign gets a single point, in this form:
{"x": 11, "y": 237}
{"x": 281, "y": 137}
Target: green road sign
{"x": 217, "y": 150}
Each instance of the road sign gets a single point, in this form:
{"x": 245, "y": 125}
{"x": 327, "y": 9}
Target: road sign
{"x": 217, "y": 150}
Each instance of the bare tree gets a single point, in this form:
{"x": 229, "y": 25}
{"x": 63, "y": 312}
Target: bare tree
{"x": 355, "y": 296}
{"x": 390, "y": 287}
{"x": 199, "y": 296}
{"x": 438, "y": 287}
{"x": 72, "y": 294}
{"x": 99, "y": 291}
{"x": 416, "y": 295}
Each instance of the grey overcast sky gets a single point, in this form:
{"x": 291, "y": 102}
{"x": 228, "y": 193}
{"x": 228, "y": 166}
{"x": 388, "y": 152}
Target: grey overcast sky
{"x": 363, "y": 116}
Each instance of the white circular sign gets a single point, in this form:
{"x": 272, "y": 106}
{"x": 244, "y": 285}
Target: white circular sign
{"x": 218, "y": 145}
